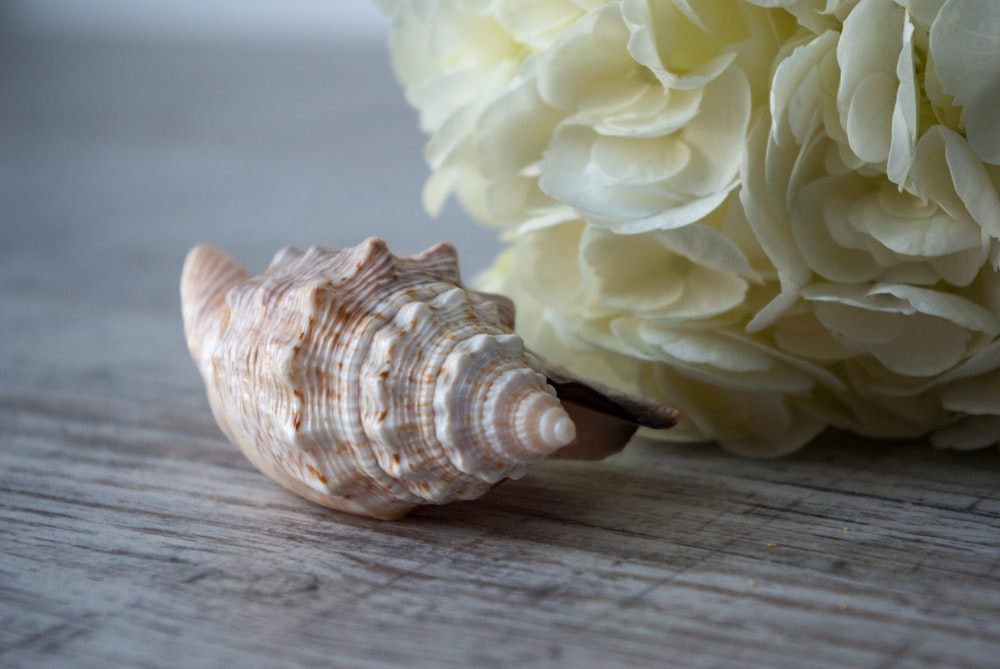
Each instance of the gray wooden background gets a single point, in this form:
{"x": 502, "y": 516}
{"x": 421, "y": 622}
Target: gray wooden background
{"x": 134, "y": 535}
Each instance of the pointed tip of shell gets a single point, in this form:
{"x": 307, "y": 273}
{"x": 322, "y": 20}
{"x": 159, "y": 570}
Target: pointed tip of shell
{"x": 556, "y": 428}
{"x": 542, "y": 426}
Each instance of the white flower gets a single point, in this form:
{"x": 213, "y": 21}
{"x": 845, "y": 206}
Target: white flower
{"x": 880, "y": 226}
{"x": 777, "y": 215}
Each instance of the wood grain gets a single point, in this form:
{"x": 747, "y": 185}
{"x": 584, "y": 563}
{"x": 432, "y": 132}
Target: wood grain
{"x": 133, "y": 535}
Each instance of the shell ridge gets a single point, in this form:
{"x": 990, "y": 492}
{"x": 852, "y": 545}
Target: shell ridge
{"x": 452, "y": 384}
{"x": 370, "y": 321}
{"x": 431, "y": 473}
{"x": 311, "y": 296}
{"x": 353, "y": 437}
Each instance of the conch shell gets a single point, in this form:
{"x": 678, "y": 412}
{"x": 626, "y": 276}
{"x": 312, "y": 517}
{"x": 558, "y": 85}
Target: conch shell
{"x": 373, "y": 383}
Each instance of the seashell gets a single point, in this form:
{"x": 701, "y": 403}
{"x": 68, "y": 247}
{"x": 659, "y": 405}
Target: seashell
{"x": 373, "y": 383}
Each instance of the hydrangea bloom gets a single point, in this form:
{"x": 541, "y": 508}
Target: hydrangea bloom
{"x": 777, "y": 215}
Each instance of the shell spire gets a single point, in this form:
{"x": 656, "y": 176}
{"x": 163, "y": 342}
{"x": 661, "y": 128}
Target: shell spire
{"x": 374, "y": 383}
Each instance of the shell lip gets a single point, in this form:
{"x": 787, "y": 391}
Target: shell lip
{"x": 647, "y": 414}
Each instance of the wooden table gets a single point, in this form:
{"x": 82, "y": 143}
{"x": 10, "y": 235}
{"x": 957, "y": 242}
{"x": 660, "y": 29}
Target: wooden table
{"x": 134, "y": 535}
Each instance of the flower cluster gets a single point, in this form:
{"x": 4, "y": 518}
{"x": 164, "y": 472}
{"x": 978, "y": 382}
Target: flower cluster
{"x": 776, "y": 215}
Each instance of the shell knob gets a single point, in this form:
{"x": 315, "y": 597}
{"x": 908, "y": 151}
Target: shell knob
{"x": 374, "y": 383}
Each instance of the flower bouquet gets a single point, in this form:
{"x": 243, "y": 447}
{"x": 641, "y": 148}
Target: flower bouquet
{"x": 776, "y": 215}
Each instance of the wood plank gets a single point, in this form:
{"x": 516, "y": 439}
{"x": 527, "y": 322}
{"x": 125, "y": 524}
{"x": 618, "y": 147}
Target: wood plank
{"x": 124, "y": 536}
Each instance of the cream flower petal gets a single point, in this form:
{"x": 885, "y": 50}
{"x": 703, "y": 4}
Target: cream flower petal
{"x": 638, "y": 161}
{"x": 931, "y": 235}
{"x": 907, "y": 300}
{"x": 904, "y": 113}
{"x": 953, "y": 308}
{"x": 958, "y": 269}
{"x": 797, "y": 89}
{"x": 611, "y": 180}
{"x": 820, "y": 225}
{"x": 877, "y": 410}
{"x": 968, "y": 433}
{"x": 975, "y": 395}
{"x": 913, "y": 331}
{"x": 868, "y": 53}
{"x": 547, "y": 263}
{"x": 718, "y": 135}
{"x": 858, "y": 329}
{"x": 796, "y": 106}
{"x": 451, "y": 134}
{"x": 587, "y": 66}
{"x": 655, "y": 113}
{"x": 515, "y": 130}
{"x": 718, "y": 358}
{"x": 763, "y": 206}
{"x": 706, "y": 292}
{"x": 985, "y": 361}
{"x": 754, "y": 423}
{"x": 965, "y": 45}
{"x": 924, "y": 11}
{"x": 574, "y": 175}
{"x": 673, "y": 216}
{"x": 643, "y": 284}
{"x": 918, "y": 347}
{"x": 434, "y": 38}
{"x": 942, "y": 108}
{"x": 704, "y": 245}
{"x": 723, "y": 357}
{"x": 866, "y": 111}
{"x": 817, "y": 16}
{"x": 928, "y": 346}
{"x": 946, "y": 171}
{"x": 589, "y": 72}
{"x": 695, "y": 348}
{"x": 675, "y": 275}
{"x": 438, "y": 187}
{"x": 513, "y": 133}
{"x": 536, "y": 23}
{"x": 670, "y": 38}
{"x": 972, "y": 183}
{"x": 802, "y": 335}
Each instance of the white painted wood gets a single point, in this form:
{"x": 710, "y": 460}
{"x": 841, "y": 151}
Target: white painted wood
{"x": 133, "y": 535}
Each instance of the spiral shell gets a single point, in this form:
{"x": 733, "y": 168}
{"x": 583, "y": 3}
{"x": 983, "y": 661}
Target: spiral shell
{"x": 373, "y": 383}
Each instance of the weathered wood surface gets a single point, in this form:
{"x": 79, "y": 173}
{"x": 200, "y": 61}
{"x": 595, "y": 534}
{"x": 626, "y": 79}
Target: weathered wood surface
{"x": 133, "y": 535}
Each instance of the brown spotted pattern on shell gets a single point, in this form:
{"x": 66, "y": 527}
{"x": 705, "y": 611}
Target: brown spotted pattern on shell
{"x": 375, "y": 383}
